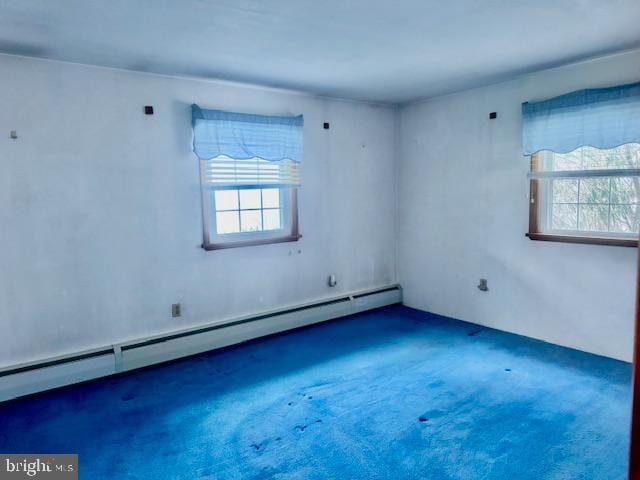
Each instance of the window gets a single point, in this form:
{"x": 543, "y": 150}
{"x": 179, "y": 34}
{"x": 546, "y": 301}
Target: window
{"x": 585, "y": 165}
{"x": 248, "y": 202}
{"x": 249, "y": 175}
{"x": 589, "y": 195}
{"x": 254, "y": 216}
{"x": 258, "y": 210}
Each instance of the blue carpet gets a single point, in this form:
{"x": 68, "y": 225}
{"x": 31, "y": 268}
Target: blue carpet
{"x": 390, "y": 394}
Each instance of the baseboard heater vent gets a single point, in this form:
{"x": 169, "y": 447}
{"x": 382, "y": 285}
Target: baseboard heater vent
{"x": 34, "y": 377}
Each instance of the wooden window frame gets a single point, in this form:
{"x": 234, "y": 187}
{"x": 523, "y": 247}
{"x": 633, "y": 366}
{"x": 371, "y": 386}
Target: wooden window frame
{"x": 534, "y": 220}
{"x": 292, "y": 236}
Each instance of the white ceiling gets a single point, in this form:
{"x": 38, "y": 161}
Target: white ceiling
{"x": 379, "y": 50}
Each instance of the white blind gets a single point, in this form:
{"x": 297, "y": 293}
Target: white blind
{"x": 225, "y": 172}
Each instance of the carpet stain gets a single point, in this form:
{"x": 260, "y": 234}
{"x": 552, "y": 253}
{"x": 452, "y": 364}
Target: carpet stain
{"x": 567, "y": 416}
{"x": 302, "y": 428}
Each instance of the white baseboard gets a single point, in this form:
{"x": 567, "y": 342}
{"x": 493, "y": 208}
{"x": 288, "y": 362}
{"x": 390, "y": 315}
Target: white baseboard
{"x": 26, "y": 379}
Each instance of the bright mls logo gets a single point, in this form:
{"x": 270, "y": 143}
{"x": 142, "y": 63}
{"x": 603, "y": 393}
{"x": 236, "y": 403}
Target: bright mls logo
{"x": 50, "y": 467}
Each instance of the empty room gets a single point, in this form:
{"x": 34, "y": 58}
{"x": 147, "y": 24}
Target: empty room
{"x": 319, "y": 239}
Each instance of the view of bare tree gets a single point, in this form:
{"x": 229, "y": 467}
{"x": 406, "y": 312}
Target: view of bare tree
{"x": 595, "y": 204}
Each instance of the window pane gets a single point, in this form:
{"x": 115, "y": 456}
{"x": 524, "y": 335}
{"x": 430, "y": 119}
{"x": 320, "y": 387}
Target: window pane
{"x": 226, "y": 199}
{"x": 566, "y": 161}
{"x": 593, "y": 158}
{"x": 590, "y": 158}
{"x": 250, "y": 220}
{"x": 624, "y": 218}
{"x": 271, "y": 198}
{"x": 227, "y": 222}
{"x": 624, "y": 156}
{"x": 594, "y": 218}
{"x": 565, "y": 191}
{"x": 272, "y": 219}
{"x": 249, "y": 199}
{"x": 625, "y": 190}
{"x": 594, "y": 190}
{"x": 565, "y": 217}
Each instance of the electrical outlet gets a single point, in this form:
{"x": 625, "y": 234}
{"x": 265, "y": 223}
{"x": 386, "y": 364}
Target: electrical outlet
{"x": 176, "y": 310}
{"x": 482, "y": 286}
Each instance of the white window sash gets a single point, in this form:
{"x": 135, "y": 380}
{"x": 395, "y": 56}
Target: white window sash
{"x": 617, "y": 172}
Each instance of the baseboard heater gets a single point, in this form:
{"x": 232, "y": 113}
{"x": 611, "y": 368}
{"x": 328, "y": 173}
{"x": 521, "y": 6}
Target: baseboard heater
{"x": 29, "y": 378}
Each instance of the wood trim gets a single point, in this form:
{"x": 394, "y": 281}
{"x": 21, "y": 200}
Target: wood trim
{"x": 533, "y": 206}
{"x": 533, "y": 196}
{"x": 204, "y": 197}
{"x": 634, "y": 448}
{"x": 251, "y": 243}
{"x": 295, "y": 230}
{"x": 611, "y": 241}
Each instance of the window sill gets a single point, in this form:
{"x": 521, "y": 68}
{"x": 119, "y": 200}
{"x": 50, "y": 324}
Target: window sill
{"x": 250, "y": 243}
{"x": 617, "y": 242}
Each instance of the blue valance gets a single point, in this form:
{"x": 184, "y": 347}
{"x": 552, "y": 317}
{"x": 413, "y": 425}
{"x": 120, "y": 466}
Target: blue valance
{"x": 242, "y": 136}
{"x": 601, "y": 118}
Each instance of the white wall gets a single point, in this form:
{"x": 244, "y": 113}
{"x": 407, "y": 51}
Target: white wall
{"x": 100, "y": 208}
{"x": 463, "y": 203}
{"x": 100, "y": 212}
